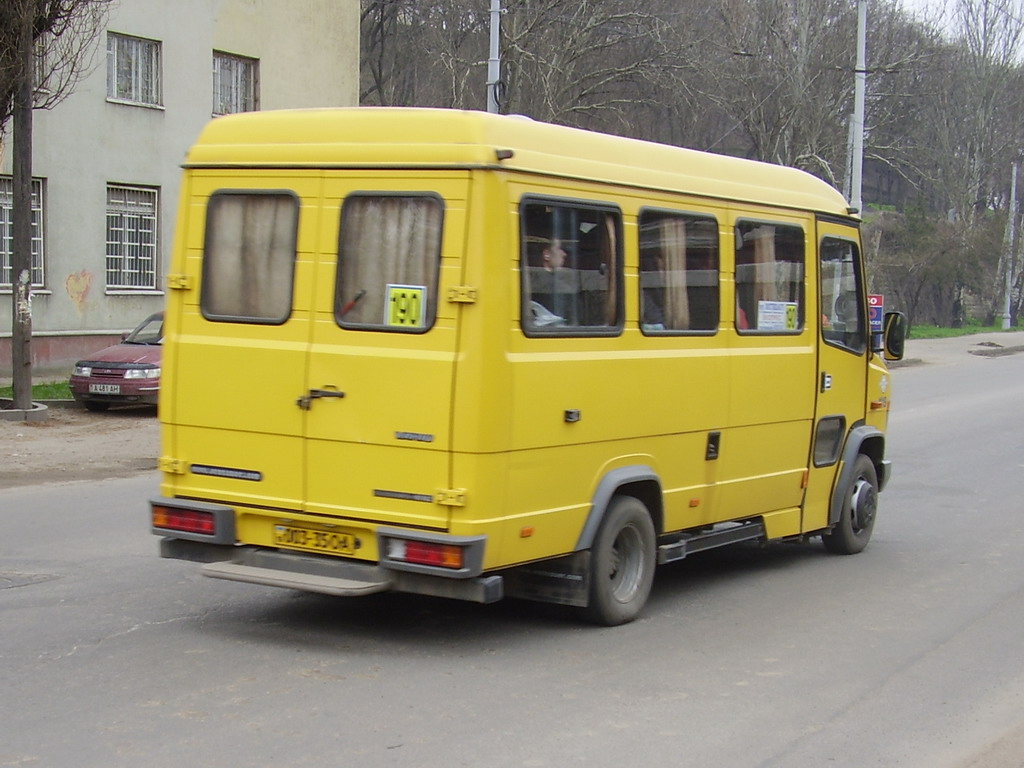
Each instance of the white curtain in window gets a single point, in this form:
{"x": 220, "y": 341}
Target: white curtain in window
{"x": 765, "y": 288}
{"x": 672, "y": 237}
{"x": 386, "y": 241}
{"x": 250, "y": 255}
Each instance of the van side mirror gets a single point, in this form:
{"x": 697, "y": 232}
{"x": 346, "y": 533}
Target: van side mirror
{"x": 894, "y": 335}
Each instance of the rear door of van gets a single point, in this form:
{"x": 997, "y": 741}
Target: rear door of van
{"x": 237, "y": 343}
{"x": 382, "y": 358}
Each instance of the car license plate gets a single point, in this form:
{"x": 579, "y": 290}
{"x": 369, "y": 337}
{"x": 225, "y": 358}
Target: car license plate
{"x": 290, "y": 537}
{"x": 105, "y": 389}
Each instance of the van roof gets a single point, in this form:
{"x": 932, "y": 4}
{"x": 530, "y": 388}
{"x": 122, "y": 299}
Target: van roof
{"x": 398, "y": 137}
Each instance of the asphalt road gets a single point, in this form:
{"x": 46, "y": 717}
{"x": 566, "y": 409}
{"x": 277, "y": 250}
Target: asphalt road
{"x": 908, "y": 654}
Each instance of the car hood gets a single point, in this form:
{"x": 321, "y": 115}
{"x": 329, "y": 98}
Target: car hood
{"x": 127, "y": 353}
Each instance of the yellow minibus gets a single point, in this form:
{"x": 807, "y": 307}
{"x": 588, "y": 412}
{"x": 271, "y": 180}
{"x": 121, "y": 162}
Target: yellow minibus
{"x": 468, "y": 355}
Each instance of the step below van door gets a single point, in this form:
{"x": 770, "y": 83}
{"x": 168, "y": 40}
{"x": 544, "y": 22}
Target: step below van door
{"x": 377, "y": 404}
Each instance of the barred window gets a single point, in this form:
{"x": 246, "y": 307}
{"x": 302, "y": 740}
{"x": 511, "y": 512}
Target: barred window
{"x": 7, "y": 231}
{"x": 235, "y": 84}
{"x": 133, "y": 69}
{"x": 132, "y": 226}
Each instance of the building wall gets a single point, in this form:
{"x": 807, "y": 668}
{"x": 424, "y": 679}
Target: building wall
{"x": 308, "y": 53}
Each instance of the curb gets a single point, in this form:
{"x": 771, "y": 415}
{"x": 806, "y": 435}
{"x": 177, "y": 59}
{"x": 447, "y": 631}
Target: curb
{"x": 38, "y": 412}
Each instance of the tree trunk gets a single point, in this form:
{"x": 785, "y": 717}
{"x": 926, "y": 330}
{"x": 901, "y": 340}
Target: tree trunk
{"x": 21, "y": 256}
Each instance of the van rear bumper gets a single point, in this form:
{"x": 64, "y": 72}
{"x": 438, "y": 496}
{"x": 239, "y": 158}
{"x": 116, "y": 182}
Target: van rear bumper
{"x": 325, "y": 575}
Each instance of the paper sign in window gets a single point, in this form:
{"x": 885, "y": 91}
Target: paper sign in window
{"x": 777, "y": 316}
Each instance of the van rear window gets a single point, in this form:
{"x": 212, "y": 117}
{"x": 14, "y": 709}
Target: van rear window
{"x": 389, "y": 258}
{"x": 249, "y": 257}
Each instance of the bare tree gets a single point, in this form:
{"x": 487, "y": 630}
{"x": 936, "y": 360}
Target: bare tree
{"x": 954, "y": 133}
{"x": 587, "y": 63}
{"x": 45, "y": 46}
{"x": 64, "y": 35}
{"x": 590, "y": 64}
{"x": 423, "y": 54}
{"x": 767, "y": 79}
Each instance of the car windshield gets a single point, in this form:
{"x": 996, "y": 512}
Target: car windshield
{"x": 150, "y": 332}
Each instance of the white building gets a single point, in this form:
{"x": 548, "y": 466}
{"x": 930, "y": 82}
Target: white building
{"x": 106, "y": 161}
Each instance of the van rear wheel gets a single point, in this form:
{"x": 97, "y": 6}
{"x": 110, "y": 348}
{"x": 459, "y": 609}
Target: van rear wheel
{"x": 860, "y": 506}
{"x": 621, "y": 563}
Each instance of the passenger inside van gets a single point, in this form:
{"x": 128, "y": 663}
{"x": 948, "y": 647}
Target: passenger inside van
{"x": 553, "y": 255}
{"x": 550, "y": 282}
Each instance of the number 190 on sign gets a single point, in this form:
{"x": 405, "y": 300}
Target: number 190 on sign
{"x": 406, "y": 306}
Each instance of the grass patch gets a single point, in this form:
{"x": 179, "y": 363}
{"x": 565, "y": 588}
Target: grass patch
{"x": 54, "y": 390}
{"x": 933, "y": 332}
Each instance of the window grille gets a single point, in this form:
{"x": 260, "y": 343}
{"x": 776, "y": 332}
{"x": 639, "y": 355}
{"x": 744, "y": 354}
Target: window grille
{"x": 7, "y": 232}
{"x": 132, "y": 226}
{"x": 133, "y": 69}
{"x": 235, "y": 84}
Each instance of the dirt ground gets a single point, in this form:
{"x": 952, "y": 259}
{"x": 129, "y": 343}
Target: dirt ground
{"x": 74, "y": 444}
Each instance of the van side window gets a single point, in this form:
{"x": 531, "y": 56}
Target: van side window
{"x": 678, "y": 273}
{"x": 389, "y": 258}
{"x": 571, "y": 266}
{"x": 769, "y": 278}
{"x": 249, "y": 257}
{"x": 842, "y": 305}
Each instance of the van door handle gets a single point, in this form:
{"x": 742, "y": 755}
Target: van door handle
{"x": 306, "y": 401}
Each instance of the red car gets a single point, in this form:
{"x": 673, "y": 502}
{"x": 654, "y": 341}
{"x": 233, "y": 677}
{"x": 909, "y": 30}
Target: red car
{"x": 124, "y": 374}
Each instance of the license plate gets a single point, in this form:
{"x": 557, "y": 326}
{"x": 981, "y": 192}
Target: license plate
{"x": 290, "y": 537}
{"x": 105, "y": 389}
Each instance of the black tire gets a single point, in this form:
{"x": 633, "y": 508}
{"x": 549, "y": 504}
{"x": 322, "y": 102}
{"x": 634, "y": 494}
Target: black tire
{"x": 96, "y": 406}
{"x": 622, "y": 563}
{"x": 860, "y": 506}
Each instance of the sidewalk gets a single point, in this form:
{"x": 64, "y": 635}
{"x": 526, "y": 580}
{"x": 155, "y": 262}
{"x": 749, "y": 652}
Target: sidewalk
{"x": 944, "y": 351}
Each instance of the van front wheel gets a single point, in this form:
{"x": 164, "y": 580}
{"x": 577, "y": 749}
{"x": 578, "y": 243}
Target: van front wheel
{"x": 621, "y": 563}
{"x": 860, "y": 505}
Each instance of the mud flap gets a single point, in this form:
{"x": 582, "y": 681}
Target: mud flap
{"x": 565, "y": 580}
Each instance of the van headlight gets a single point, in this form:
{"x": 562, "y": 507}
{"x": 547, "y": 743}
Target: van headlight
{"x": 142, "y": 373}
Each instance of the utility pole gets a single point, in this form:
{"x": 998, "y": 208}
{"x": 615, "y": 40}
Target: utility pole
{"x": 494, "y": 62}
{"x": 21, "y": 251}
{"x": 1011, "y": 242}
{"x": 857, "y": 124}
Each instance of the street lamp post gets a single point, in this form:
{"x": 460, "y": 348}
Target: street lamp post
{"x": 857, "y": 126}
{"x": 1011, "y": 241}
{"x": 494, "y": 62}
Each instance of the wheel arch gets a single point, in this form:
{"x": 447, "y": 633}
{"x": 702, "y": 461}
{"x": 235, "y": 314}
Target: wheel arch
{"x": 639, "y": 481}
{"x": 862, "y": 439}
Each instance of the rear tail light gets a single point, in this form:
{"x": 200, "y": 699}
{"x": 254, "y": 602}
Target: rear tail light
{"x": 186, "y": 520}
{"x": 426, "y": 553}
